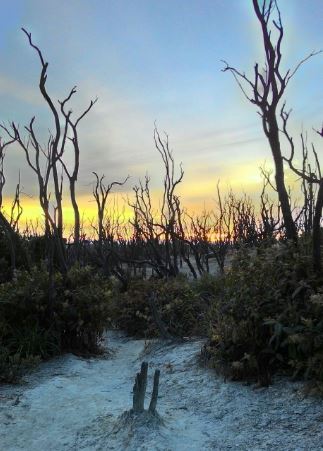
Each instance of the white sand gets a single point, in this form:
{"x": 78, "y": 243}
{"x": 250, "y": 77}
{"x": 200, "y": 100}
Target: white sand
{"x": 71, "y": 403}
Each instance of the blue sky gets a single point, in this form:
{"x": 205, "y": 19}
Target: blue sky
{"x": 160, "y": 60}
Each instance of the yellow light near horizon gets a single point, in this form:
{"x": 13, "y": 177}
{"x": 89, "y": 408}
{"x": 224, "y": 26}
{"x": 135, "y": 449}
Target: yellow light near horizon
{"x": 33, "y": 214}
{"x": 197, "y": 195}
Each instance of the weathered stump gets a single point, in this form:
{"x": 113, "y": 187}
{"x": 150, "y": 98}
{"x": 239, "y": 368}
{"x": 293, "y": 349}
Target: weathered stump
{"x": 139, "y": 390}
{"x": 137, "y": 418}
{"x": 154, "y": 395}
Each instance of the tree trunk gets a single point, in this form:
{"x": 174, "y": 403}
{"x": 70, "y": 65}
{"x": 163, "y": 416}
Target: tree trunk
{"x": 77, "y": 225}
{"x": 58, "y": 196}
{"x": 272, "y": 133}
{"x": 139, "y": 389}
{"x": 316, "y": 243}
{"x": 15, "y": 244}
{"x": 154, "y": 396}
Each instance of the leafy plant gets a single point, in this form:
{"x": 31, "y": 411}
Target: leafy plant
{"x": 268, "y": 317}
{"x": 180, "y": 307}
{"x": 37, "y": 322}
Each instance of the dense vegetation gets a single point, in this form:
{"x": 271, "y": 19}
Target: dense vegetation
{"x": 247, "y": 278}
{"x": 268, "y": 317}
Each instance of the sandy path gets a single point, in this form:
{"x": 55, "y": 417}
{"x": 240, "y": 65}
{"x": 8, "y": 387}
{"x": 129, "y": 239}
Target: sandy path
{"x": 71, "y": 403}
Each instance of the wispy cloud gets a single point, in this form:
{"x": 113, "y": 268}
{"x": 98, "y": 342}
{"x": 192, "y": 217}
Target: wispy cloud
{"x": 152, "y": 61}
{"x": 17, "y": 90}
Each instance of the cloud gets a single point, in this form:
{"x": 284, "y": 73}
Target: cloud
{"x": 16, "y": 89}
{"x": 142, "y": 72}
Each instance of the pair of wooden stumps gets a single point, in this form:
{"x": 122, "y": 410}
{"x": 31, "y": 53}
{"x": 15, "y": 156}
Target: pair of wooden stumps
{"x": 139, "y": 391}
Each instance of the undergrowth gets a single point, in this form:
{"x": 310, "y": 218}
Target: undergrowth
{"x": 267, "y": 317}
{"x": 37, "y": 323}
{"x": 178, "y": 303}
{"x": 263, "y": 317}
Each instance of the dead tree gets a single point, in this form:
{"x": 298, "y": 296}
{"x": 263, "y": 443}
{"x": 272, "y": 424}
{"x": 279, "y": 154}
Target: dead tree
{"x": 35, "y": 153}
{"x": 55, "y": 149}
{"x": 188, "y": 242}
{"x": 222, "y": 230}
{"x": 269, "y": 212}
{"x": 16, "y": 208}
{"x": 101, "y": 193}
{"x": 47, "y": 160}
{"x": 9, "y": 227}
{"x": 72, "y": 175}
{"x": 107, "y": 254}
{"x": 169, "y": 208}
{"x": 159, "y": 229}
{"x": 266, "y": 90}
{"x": 312, "y": 176}
{"x": 306, "y": 214}
{"x": 3, "y": 146}
{"x": 146, "y": 230}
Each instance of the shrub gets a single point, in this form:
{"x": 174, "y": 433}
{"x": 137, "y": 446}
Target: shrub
{"x": 34, "y": 325}
{"x": 267, "y": 317}
{"x": 85, "y": 311}
{"x": 14, "y": 366}
{"x": 181, "y": 309}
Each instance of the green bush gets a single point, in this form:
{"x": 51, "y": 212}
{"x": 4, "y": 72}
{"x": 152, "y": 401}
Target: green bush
{"x": 181, "y": 309}
{"x": 266, "y": 317}
{"x": 36, "y": 323}
{"x": 12, "y": 366}
{"x": 85, "y": 311}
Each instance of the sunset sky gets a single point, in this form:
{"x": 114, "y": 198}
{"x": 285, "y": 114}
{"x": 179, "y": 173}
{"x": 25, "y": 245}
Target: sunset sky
{"x": 154, "y": 60}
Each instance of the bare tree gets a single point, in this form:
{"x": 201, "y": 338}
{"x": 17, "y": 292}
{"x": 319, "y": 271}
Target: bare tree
{"x": 34, "y": 152}
{"x": 3, "y": 146}
{"x": 47, "y": 161}
{"x": 266, "y": 90}
{"x": 72, "y": 176}
{"x": 170, "y": 202}
{"x": 312, "y": 176}
{"x": 54, "y": 148}
{"x": 191, "y": 238}
{"x": 10, "y": 226}
{"x": 107, "y": 250}
{"x": 160, "y": 229}
{"x": 269, "y": 212}
{"x": 146, "y": 229}
{"x": 44, "y": 160}
{"x": 101, "y": 193}
{"x": 12, "y": 237}
{"x": 16, "y": 208}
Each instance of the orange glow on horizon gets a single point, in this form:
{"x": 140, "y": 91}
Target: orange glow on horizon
{"x": 196, "y": 197}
